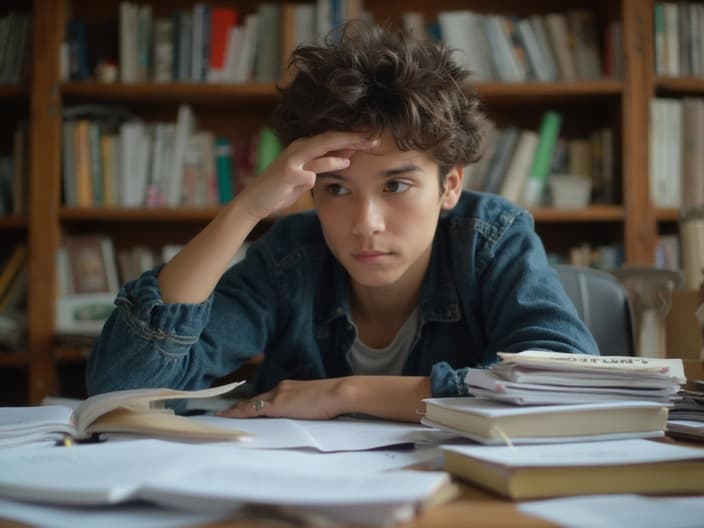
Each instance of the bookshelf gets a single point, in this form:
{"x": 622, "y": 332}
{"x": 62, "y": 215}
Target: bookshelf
{"x": 237, "y": 109}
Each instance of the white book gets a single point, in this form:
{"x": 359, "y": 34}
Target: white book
{"x": 533, "y": 51}
{"x": 501, "y": 46}
{"x": 185, "y": 125}
{"x": 672, "y": 46}
{"x": 463, "y": 31}
{"x": 538, "y": 24}
{"x": 559, "y": 34}
{"x": 414, "y": 24}
{"x": 518, "y": 169}
{"x": 495, "y": 423}
{"x": 233, "y": 53}
{"x": 245, "y": 63}
{"x": 129, "y": 14}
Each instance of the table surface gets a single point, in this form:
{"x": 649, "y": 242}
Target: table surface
{"x": 473, "y": 507}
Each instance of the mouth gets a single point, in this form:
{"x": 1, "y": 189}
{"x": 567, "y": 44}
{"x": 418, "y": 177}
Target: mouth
{"x": 370, "y": 256}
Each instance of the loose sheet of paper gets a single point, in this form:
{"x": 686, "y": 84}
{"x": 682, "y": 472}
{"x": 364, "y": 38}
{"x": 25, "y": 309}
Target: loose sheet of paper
{"x": 618, "y": 511}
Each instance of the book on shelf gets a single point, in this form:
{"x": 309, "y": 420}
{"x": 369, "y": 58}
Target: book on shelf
{"x": 625, "y": 466}
{"x": 133, "y": 411}
{"x": 496, "y": 423}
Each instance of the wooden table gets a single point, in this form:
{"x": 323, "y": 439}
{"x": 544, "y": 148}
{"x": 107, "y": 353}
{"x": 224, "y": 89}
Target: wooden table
{"x": 472, "y": 508}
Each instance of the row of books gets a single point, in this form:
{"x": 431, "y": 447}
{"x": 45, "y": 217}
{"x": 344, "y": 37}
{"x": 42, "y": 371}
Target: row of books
{"x": 603, "y": 256}
{"x": 13, "y": 297}
{"x": 207, "y": 43}
{"x": 552, "y": 47}
{"x": 520, "y": 165}
{"x": 13, "y": 174}
{"x": 225, "y": 44}
{"x": 677, "y": 34}
{"x": 115, "y": 162}
{"x": 677, "y": 152}
{"x": 90, "y": 270}
{"x": 15, "y": 40}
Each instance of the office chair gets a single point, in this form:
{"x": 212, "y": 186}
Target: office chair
{"x": 602, "y": 304}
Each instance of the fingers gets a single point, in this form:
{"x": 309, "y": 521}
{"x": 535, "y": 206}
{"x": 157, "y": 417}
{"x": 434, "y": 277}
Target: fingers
{"x": 322, "y": 144}
{"x": 257, "y": 406}
{"x": 327, "y": 164}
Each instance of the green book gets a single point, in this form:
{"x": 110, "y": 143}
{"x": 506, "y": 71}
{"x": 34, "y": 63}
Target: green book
{"x": 269, "y": 149}
{"x": 223, "y": 169}
{"x": 540, "y": 168}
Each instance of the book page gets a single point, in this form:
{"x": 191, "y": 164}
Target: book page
{"x": 137, "y": 400}
{"x": 617, "y": 511}
{"x": 34, "y": 425}
{"x": 341, "y": 434}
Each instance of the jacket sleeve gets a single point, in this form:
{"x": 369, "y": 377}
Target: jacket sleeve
{"x": 148, "y": 343}
{"x": 525, "y": 304}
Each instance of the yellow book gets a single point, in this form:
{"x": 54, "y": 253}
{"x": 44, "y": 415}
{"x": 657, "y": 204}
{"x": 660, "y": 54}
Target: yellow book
{"x": 11, "y": 268}
{"x": 539, "y": 471}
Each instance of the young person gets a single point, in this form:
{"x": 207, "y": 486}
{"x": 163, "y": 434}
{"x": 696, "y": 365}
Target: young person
{"x": 385, "y": 294}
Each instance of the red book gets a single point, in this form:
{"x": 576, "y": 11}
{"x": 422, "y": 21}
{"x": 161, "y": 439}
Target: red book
{"x": 221, "y": 20}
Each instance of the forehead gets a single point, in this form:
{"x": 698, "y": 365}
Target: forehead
{"x": 387, "y": 152}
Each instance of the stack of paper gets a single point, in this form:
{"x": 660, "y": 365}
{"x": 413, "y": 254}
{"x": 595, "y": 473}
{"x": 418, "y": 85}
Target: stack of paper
{"x": 687, "y": 416}
{"x": 546, "y": 397}
{"x": 219, "y": 478}
{"x": 550, "y": 378}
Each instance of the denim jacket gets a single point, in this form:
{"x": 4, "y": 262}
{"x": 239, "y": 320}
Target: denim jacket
{"x": 488, "y": 288}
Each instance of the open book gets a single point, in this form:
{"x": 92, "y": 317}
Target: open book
{"x": 627, "y": 466}
{"x": 135, "y": 411}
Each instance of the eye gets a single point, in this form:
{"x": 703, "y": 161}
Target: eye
{"x": 336, "y": 189}
{"x": 395, "y": 186}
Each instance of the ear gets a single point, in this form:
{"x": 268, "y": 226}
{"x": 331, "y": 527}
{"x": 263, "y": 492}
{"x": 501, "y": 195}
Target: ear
{"x": 453, "y": 187}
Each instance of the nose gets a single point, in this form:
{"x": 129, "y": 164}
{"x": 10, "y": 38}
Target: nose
{"x": 369, "y": 218}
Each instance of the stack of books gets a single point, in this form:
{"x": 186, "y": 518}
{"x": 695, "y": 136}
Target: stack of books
{"x": 545, "y": 397}
{"x": 686, "y": 417}
{"x": 548, "y": 378}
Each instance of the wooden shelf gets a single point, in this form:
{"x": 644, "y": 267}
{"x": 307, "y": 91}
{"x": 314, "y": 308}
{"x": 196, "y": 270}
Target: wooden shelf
{"x": 71, "y": 353}
{"x": 265, "y": 93}
{"x": 13, "y": 359}
{"x": 120, "y": 214}
{"x": 13, "y": 91}
{"x": 173, "y": 93}
{"x": 670, "y": 214}
{"x": 549, "y": 92}
{"x": 13, "y": 222}
{"x": 594, "y": 213}
{"x": 680, "y": 84}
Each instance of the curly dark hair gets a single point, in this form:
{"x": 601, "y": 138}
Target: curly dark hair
{"x": 371, "y": 78}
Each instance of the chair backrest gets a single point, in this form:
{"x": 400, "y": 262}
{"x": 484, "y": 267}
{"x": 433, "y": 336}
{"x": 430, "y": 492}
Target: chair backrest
{"x": 603, "y": 305}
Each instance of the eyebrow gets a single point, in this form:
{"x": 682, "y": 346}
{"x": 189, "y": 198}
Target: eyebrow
{"x": 403, "y": 169}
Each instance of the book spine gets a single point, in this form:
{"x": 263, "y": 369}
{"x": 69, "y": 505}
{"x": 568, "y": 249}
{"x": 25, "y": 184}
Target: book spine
{"x": 540, "y": 168}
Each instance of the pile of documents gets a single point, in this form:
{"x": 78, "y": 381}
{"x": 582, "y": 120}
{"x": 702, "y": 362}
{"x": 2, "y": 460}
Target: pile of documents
{"x": 546, "y": 397}
{"x": 687, "y": 415}
{"x": 552, "y": 378}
